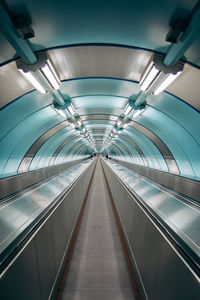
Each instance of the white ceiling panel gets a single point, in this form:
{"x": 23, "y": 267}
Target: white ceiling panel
{"x": 99, "y": 61}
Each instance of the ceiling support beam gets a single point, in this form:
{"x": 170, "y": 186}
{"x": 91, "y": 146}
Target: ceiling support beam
{"x": 177, "y": 50}
{"x": 10, "y": 32}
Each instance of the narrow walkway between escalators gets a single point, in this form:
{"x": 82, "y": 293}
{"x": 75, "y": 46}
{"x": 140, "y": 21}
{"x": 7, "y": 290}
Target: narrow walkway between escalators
{"x": 98, "y": 270}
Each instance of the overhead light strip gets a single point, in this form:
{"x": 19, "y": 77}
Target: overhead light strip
{"x": 33, "y": 81}
{"x": 166, "y": 83}
{"x": 157, "y": 76}
{"x": 41, "y": 74}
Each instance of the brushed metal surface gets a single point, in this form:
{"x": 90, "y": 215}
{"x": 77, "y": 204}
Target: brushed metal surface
{"x": 14, "y": 184}
{"x": 179, "y": 184}
{"x": 98, "y": 61}
{"x": 174, "y": 280}
{"x": 18, "y": 214}
{"x": 99, "y": 117}
{"x": 46, "y": 259}
{"x": 36, "y": 268}
{"x": 23, "y": 277}
{"x": 178, "y": 215}
{"x": 102, "y": 121}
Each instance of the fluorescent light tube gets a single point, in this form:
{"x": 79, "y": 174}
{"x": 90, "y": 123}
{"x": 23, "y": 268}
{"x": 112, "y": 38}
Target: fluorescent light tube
{"x": 50, "y": 76}
{"x": 53, "y": 70}
{"x": 33, "y": 81}
{"x": 71, "y": 109}
{"x": 137, "y": 113}
{"x": 166, "y": 82}
{"x": 127, "y": 110}
{"x": 45, "y": 76}
{"x": 61, "y": 112}
{"x": 149, "y": 78}
{"x": 79, "y": 123}
{"x": 119, "y": 122}
{"x": 158, "y": 76}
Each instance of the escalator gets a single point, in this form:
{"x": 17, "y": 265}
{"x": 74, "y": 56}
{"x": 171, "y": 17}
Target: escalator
{"x": 97, "y": 231}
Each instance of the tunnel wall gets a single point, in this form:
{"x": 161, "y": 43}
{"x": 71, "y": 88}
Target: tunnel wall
{"x": 33, "y": 135}
{"x": 35, "y": 271}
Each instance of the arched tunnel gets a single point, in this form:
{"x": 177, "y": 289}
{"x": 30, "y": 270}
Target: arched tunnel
{"x": 99, "y": 150}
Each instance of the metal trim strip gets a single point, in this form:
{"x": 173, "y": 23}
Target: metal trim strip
{"x": 179, "y": 184}
{"x": 14, "y": 184}
{"x": 166, "y": 153}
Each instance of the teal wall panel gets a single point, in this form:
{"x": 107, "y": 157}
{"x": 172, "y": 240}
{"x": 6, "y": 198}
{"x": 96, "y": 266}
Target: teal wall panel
{"x": 183, "y": 146}
{"x": 151, "y": 152}
{"x": 17, "y": 142}
{"x": 48, "y": 148}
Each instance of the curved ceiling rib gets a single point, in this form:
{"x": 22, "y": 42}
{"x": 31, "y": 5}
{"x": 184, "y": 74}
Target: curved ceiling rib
{"x": 29, "y": 156}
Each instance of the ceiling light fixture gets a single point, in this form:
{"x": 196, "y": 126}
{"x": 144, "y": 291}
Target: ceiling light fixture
{"x": 148, "y": 77}
{"x": 167, "y": 82}
{"x": 51, "y": 75}
{"x": 61, "y": 112}
{"x": 157, "y": 77}
{"x": 41, "y": 74}
{"x": 119, "y": 122}
{"x": 137, "y": 113}
{"x": 29, "y": 76}
{"x": 71, "y": 109}
{"x": 79, "y": 122}
{"x": 128, "y": 109}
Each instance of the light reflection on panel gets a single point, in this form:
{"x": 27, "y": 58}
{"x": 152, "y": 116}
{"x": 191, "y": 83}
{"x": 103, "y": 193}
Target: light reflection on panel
{"x": 181, "y": 217}
{"x": 89, "y": 61}
{"x": 99, "y": 101}
{"x": 9, "y": 73}
{"x": 17, "y": 215}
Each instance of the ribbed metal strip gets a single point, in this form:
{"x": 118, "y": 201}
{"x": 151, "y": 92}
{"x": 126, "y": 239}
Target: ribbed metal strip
{"x": 102, "y": 121}
{"x": 13, "y": 184}
{"x": 137, "y": 148}
{"x": 99, "y": 117}
{"x": 30, "y": 154}
{"x": 125, "y": 148}
{"x": 78, "y": 148}
{"x": 168, "y": 156}
{"x": 60, "y": 148}
{"x": 176, "y": 183}
{"x": 117, "y": 150}
{"x": 121, "y": 145}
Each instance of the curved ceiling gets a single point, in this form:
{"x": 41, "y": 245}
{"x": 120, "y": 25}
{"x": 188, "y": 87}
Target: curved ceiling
{"x": 100, "y": 51}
